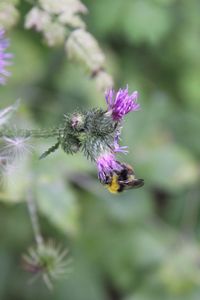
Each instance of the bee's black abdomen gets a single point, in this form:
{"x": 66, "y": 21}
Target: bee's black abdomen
{"x": 121, "y": 188}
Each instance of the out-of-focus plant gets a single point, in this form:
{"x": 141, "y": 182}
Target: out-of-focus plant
{"x": 9, "y": 15}
{"x": 46, "y": 259}
{"x": 61, "y": 24}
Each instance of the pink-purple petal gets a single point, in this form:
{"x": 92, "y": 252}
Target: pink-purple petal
{"x": 121, "y": 103}
{"x": 106, "y": 165}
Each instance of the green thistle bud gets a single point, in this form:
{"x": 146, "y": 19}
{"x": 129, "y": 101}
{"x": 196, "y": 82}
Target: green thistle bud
{"x": 74, "y": 122}
{"x": 99, "y": 123}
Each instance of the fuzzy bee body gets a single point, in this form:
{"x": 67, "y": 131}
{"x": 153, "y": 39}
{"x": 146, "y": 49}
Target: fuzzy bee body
{"x": 123, "y": 180}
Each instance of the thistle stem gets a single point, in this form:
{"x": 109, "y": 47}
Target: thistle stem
{"x": 35, "y": 133}
{"x": 44, "y": 133}
{"x": 34, "y": 219}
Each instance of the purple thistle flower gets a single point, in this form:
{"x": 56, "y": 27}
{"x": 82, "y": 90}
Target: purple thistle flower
{"x": 4, "y": 57}
{"x": 121, "y": 103}
{"x": 107, "y": 165}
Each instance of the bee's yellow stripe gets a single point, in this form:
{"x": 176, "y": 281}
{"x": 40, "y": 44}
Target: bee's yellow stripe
{"x": 114, "y": 186}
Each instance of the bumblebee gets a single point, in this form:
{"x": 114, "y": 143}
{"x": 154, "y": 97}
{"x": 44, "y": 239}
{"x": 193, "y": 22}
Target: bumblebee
{"x": 123, "y": 180}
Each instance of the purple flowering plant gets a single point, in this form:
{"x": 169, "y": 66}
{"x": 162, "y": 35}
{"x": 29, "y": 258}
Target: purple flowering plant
{"x": 121, "y": 103}
{"x": 97, "y": 134}
{"x": 4, "y": 57}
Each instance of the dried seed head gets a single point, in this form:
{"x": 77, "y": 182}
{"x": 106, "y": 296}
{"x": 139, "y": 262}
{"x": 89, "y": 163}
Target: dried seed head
{"x": 48, "y": 261}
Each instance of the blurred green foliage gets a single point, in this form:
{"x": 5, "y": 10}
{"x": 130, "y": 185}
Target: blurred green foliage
{"x": 143, "y": 244}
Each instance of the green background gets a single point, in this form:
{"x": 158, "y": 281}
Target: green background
{"x": 142, "y": 244}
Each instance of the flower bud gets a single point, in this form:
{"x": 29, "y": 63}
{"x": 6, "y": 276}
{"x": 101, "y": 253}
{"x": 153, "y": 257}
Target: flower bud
{"x": 77, "y": 121}
{"x": 83, "y": 47}
{"x": 37, "y": 18}
{"x": 103, "y": 80}
{"x": 54, "y": 34}
{"x": 9, "y": 15}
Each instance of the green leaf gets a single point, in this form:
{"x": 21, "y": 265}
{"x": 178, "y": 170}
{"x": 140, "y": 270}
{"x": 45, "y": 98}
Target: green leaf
{"x": 55, "y": 198}
{"x": 57, "y": 202}
{"x": 168, "y": 166}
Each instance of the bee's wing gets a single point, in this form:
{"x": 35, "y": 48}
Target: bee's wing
{"x": 133, "y": 184}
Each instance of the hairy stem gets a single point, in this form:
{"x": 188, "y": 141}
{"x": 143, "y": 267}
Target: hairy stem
{"x": 35, "y": 133}
{"x": 34, "y": 218}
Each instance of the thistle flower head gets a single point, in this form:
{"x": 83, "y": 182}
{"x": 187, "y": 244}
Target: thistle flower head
{"x": 95, "y": 132}
{"x": 121, "y": 103}
{"x": 107, "y": 165}
{"x": 48, "y": 261}
{"x": 4, "y": 57}
{"x": 100, "y": 133}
